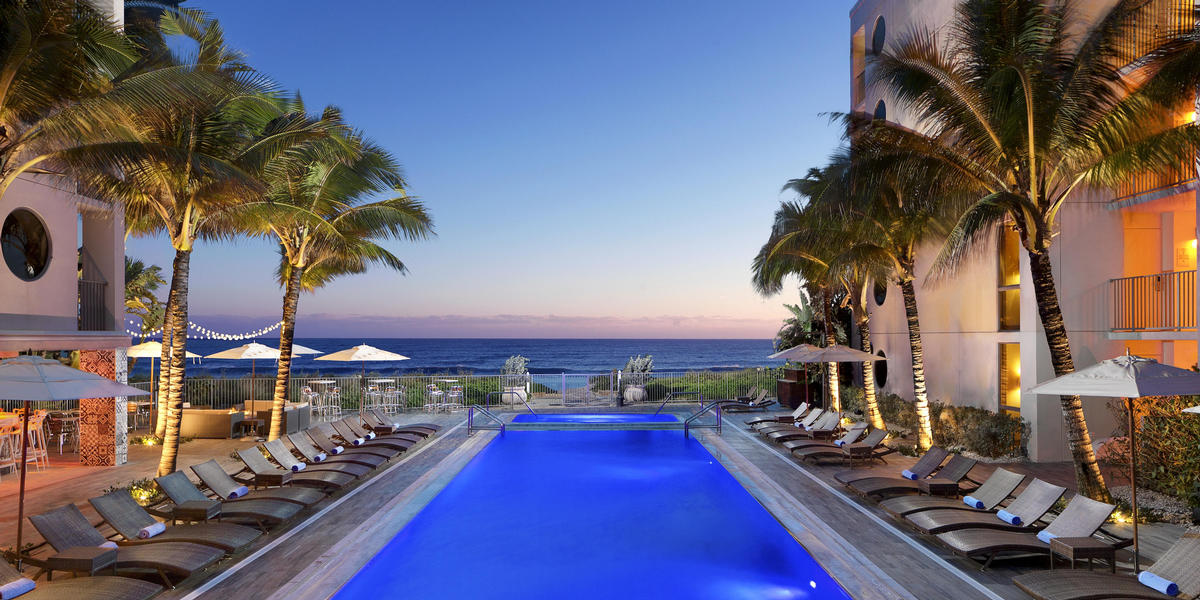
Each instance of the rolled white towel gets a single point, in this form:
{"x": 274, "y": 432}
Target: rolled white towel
{"x": 239, "y": 492}
{"x": 358, "y": 441}
{"x": 320, "y": 457}
{"x": 395, "y": 425}
{"x": 1156, "y": 582}
{"x": 298, "y": 467}
{"x": 150, "y": 531}
{"x": 338, "y": 450}
{"x": 110, "y": 545}
{"x": 370, "y": 435}
{"x": 16, "y": 587}
{"x": 1045, "y": 536}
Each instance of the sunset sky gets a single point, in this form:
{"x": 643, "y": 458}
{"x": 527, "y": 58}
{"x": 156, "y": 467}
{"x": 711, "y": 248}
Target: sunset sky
{"x": 594, "y": 169}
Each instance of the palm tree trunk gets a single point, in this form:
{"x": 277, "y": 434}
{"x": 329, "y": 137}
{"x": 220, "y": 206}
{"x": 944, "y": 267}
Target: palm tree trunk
{"x": 920, "y": 395}
{"x": 874, "y": 417}
{"x": 178, "y": 361}
{"x": 1087, "y": 471}
{"x": 164, "y": 372}
{"x": 835, "y": 400}
{"x": 291, "y": 298}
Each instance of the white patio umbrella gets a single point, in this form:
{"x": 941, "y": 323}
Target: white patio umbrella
{"x": 1127, "y": 377}
{"x": 255, "y": 351}
{"x": 37, "y": 379}
{"x": 1192, "y": 409}
{"x": 808, "y": 353}
{"x": 151, "y": 350}
{"x": 363, "y": 353}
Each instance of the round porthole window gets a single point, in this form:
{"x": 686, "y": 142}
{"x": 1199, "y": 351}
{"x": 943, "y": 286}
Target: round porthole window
{"x": 880, "y": 293}
{"x": 25, "y": 244}
{"x": 878, "y": 36}
{"x": 880, "y": 111}
{"x": 881, "y": 370}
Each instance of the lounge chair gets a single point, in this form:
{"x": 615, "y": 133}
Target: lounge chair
{"x": 358, "y": 426}
{"x": 869, "y": 447}
{"x": 264, "y": 512}
{"x": 807, "y": 421}
{"x": 326, "y": 438}
{"x": 1180, "y": 565}
{"x": 304, "y": 445}
{"x": 137, "y": 526}
{"x": 760, "y": 402}
{"x": 825, "y": 427}
{"x": 1029, "y": 507}
{"x": 1081, "y": 518}
{"x": 65, "y": 527}
{"x": 381, "y": 418}
{"x": 795, "y": 415}
{"x": 268, "y": 475}
{"x": 357, "y": 438}
{"x": 954, "y": 470}
{"x": 851, "y": 435}
{"x": 924, "y": 467}
{"x": 100, "y": 587}
{"x": 991, "y": 494}
{"x": 227, "y": 488}
{"x": 749, "y": 395}
{"x": 287, "y": 460}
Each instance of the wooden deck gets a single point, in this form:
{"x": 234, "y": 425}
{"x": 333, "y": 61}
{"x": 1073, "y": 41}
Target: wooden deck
{"x": 869, "y": 553}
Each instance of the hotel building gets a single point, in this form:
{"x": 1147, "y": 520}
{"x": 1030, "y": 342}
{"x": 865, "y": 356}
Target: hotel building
{"x": 1124, "y": 263}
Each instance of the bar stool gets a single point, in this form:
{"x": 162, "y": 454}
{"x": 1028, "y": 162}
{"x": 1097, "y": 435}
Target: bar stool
{"x": 10, "y": 436}
{"x": 37, "y": 453}
{"x": 433, "y": 398}
{"x": 454, "y": 399}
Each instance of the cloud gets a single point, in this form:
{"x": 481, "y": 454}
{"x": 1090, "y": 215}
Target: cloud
{"x": 509, "y": 326}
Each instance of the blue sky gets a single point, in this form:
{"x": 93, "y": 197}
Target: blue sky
{"x": 594, "y": 169}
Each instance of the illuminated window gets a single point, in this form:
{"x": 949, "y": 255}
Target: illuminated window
{"x": 1009, "y": 278}
{"x": 1010, "y": 377}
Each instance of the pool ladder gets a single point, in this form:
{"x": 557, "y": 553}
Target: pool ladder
{"x": 713, "y": 407}
{"x": 496, "y": 423}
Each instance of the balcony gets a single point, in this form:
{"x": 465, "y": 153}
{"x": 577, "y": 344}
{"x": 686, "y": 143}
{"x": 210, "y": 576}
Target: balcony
{"x": 1161, "y": 302}
{"x": 1151, "y": 185}
{"x": 1152, "y": 23}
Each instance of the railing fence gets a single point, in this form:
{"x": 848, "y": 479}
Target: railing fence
{"x": 1157, "y": 302}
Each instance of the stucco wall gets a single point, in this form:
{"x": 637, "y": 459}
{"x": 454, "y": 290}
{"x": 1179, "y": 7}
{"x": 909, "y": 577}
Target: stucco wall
{"x": 49, "y": 302}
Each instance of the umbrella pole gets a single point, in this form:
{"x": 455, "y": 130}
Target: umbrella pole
{"x": 21, "y": 494}
{"x": 252, "y": 381}
{"x": 806, "y": 383}
{"x": 1133, "y": 481}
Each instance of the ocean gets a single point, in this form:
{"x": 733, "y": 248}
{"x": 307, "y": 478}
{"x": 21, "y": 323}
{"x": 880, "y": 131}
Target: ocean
{"x": 430, "y": 356}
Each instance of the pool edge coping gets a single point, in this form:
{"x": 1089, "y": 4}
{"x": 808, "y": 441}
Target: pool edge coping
{"x": 860, "y": 578}
{"x": 340, "y": 562}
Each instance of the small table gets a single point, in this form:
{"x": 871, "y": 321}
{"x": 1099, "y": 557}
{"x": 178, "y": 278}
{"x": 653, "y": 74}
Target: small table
{"x": 82, "y": 559}
{"x": 251, "y": 425}
{"x": 938, "y": 487}
{"x": 196, "y": 511}
{"x": 1076, "y": 548}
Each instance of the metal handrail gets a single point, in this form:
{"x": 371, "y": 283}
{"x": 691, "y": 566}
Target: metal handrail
{"x": 672, "y": 394}
{"x": 715, "y": 405}
{"x": 472, "y": 427}
{"x": 1155, "y": 302}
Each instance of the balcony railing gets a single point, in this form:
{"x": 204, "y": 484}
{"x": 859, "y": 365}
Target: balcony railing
{"x": 1158, "y": 302}
{"x": 1152, "y": 23}
{"x": 1144, "y": 183}
{"x": 93, "y": 316}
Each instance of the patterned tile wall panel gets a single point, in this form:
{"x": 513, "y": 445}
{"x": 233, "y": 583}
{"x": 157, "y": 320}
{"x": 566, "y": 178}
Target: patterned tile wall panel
{"x": 121, "y": 433}
{"x": 97, "y": 416}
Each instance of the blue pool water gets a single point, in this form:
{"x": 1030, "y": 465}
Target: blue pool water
{"x": 593, "y": 515}
{"x": 595, "y": 418}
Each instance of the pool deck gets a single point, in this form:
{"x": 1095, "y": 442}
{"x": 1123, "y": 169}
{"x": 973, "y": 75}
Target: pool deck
{"x": 868, "y": 552}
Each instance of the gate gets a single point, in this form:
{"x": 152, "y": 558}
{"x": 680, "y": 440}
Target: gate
{"x": 572, "y": 389}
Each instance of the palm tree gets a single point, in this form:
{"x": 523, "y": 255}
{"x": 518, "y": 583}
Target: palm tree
{"x": 189, "y": 171}
{"x": 52, "y": 56}
{"x": 794, "y": 249}
{"x": 1020, "y": 109}
{"x": 323, "y": 215}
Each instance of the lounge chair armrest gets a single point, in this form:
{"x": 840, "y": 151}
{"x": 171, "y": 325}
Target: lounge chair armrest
{"x": 1117, "y": 542}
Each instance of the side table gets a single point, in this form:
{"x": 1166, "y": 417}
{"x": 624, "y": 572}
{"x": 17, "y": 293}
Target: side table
{"x": 938, "y": 487}
{"x": 1077, "y": 548}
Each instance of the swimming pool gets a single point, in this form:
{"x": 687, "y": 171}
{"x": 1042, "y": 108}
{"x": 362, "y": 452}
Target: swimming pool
{"x": 593, "y": 515}
{"x": 600, "y": 418}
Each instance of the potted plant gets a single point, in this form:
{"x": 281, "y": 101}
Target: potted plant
{"x": 635, "y": 375}
{"x": 514, "y": 379}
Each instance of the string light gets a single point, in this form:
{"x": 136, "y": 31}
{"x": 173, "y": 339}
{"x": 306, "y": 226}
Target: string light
{"x": 204, "y": 333}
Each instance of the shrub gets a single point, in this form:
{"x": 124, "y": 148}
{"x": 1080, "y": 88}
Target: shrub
{"x": 1167, "y": 442}
{"x": 980, "y": 431}
{"x": 515, "y": 365}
